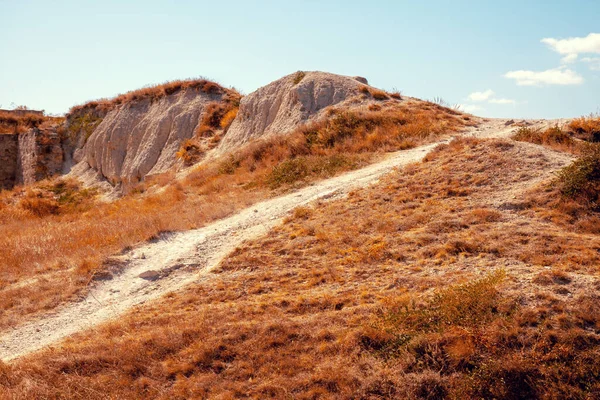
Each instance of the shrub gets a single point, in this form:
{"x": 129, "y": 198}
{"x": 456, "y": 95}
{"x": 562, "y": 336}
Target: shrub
{"x": 298, "y": 76}
{"x": 297, "y": 169}
{"x": 228, "y": 118}
{"x": 552, "y": 137}
{"x": 190, "y": 152}
{"x": 586, "y": 128}
{"x": 39, "y": 205}
{"x": 375, "y": 93}
{"x": 229, "y": 165}
{"x": 396, "y": 94}
{"x": 581, "y": 179}
{"x": 379, "y": 94}
{"x": 468, "y": 305}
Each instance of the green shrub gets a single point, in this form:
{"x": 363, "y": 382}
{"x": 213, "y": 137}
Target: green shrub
{"x": 581, "y": 179}
{"x": 299, "y": 168}
{"x": 469, "y": 305}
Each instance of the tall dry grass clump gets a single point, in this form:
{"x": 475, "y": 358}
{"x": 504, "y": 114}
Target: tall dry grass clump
{"x": 586, "y": 128}
{"x": 553, "y": 137}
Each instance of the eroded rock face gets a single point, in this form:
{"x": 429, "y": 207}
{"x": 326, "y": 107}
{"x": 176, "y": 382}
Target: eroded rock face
{"x": 30, "y": 156}
{"x": 141, "y": 139}
{"x": 283, "y": 105}
{"x": 40, "y": 155}
{"x": 8, "y": 160}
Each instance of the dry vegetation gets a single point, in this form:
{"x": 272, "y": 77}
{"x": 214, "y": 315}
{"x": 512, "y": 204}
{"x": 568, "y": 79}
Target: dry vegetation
{"x": 444, "y": 280}
{"x": 12, "y": 123}
{"x": 215, "y": 122}
{"x": 151, "y": 93}
{"x": 570, "y": 138}
{"x": 553, "y": 137}
{"x": 55, "y": 244}
{"x": 586, "y": 128}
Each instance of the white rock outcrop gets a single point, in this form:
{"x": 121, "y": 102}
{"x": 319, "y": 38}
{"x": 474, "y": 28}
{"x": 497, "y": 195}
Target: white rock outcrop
{"x": 283, "y": 105}
{"x": 140, "y": 139}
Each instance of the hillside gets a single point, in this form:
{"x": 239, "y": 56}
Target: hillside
{"x": 68, "y": 231}
{"x": 326, "y": 239}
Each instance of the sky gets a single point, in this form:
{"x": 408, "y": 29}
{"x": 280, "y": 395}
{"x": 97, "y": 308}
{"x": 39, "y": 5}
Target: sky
{"x": 510, "y": 59}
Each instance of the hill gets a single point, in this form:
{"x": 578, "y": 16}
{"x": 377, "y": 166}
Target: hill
{"x": 373, "y": 247}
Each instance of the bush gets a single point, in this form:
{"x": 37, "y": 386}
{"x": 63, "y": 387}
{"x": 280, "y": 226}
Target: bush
{"x": 469, "y": 305}
{"x": 581, "y": 179}
{"x": 39, "y": 205}
{"x": 552, "y": 137}
{"x": 586, "y": 128}
{"x": 298, "y": 169}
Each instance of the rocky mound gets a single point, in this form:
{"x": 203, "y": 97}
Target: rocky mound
{"x": 283, "y": 105}
{"x": 139, "y": 138}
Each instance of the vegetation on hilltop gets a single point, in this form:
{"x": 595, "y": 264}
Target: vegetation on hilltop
{"x": 19, "y": 123}
{"x": 151, "y": 93}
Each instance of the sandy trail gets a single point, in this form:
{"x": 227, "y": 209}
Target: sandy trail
{"x": 176, "y": 260}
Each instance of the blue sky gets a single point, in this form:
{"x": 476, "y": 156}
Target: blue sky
{"x": 487, "y": 55}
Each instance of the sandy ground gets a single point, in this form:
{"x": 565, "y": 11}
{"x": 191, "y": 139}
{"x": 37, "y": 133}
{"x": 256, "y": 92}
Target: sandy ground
{"x": 175, "y": 260}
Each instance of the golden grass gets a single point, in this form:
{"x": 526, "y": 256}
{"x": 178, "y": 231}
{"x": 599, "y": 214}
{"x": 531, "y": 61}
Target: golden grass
{"x": 553, "y": 137}
{"x": 298, "y": 313}
{"x": 586, "y": 128}
{"x": 152, "y": 93}
{"x": 12, "y": 124}
{"x": 58, "y": 244}
{"x": 215, "y": 122}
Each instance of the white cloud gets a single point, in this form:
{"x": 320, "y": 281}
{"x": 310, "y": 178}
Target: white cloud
{"x": 556, "y": 76}
{"x": 487, "y": 96}
{"x": 575, "y": 45}
{"x": 569, "y": 59}
{"x": 594, "y": 62}
{"x": 503, "y": 101}
{"x": 470, "y": 108}
{"x": 481, "y": 96}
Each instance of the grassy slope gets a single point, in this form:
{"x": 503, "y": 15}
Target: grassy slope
{"x": 312, "y": 310}
{"x": 55, "y": 236}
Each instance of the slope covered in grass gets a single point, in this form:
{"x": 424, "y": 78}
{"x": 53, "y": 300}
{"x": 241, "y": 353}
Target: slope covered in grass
{"x": 374, "y": 296}
{"x": 56, "y": 235}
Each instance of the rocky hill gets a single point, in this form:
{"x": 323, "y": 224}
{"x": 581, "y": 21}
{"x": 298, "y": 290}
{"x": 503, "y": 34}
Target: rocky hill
{"x": 117, "y": 143}
{"x": 283, "y": 105}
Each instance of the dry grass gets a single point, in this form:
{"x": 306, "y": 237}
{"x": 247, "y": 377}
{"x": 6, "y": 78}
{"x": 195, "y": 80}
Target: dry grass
{"x": 586, "y": 128}
{"x": 572, "y": 198}
{"x": 151, "y": 93}
{"x": 58, "y": 248}
{"x": 298, "y": 314}
{"x": 553, "y": 137}
{"x": 377, "y": 94}
{"x": 12, "y": 124}
{"x": 215, "y": 122}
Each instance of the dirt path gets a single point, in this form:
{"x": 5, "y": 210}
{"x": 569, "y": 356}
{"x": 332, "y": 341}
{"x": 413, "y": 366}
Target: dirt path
{"x": 175, "y": 260}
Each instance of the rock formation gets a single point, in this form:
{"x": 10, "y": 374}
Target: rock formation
{"x": 283, "y": 105}
{"x": 30, "y": 156}
{"x": 140, "y": 138}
